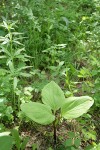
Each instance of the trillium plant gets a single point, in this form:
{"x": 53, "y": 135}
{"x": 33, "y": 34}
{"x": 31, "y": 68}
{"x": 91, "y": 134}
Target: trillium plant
{"x": 55, "y": 106}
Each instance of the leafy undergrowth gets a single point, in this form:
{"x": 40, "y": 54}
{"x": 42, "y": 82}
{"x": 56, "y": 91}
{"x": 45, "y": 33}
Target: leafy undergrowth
{"x": 43, "y": 41}
{"x": 42, "y": 137}
{"x": 67, "y": 133}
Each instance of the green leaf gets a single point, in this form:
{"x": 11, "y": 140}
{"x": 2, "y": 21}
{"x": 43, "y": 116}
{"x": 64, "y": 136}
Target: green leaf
{"x": 11, "y": 66}
{"x": 76, "y": 106}
{"x": 24, "y": 143}
{"x": 98, "y": 147}
{"x": 5, "y": 24}
{"x": 71, "y": 134}
{"x": 68, "y": 142}
{"x": 90, "y": 147}
{"x": 18, "y": 52}
{"x": 38, "y": 112}
{"x": 23, "y": 74}
{"x": 16, "y": 137}
{"x": 53, "y": 96}
{"x": 77, "y": 142}
{"x": 15, "y": 82}
{"x": 5, "y": 142}
{"x": 34, "y": 146}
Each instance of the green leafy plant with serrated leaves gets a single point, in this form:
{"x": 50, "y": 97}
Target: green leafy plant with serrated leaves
{"x": 53, "y": 100}
{"x": 12, "y": 58}
{"x": 20, "y": 143}
{"x": 73, "y": 141}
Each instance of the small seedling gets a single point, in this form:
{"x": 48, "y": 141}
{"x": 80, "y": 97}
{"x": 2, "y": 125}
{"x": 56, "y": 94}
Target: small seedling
{"x": 53, "y": 100}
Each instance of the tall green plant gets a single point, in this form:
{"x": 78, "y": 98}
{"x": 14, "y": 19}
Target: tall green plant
{"x": 12, "y": 56}
{"x": 53, "y": 100}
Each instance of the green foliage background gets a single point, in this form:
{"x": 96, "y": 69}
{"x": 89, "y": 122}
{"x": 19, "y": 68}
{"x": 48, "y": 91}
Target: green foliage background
{"x": 44, "y": 40}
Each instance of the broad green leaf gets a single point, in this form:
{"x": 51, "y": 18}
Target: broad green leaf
{"x": 38, "y": 112}
{"x": 5, "y": 142}
{"x": 76, "y": 106}
{"x": 53, "y": 96}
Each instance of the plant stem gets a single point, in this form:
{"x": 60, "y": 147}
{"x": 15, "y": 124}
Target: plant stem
{"x": 55, "y": 137}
